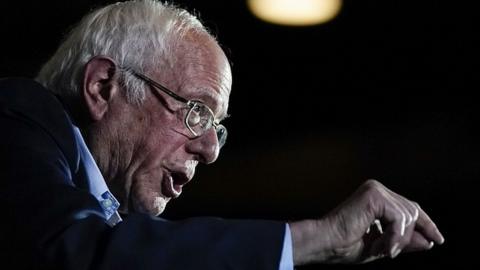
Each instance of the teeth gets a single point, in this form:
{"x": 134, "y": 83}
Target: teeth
{"x": 175, "y": 193}
{"x": 191, "y": 164}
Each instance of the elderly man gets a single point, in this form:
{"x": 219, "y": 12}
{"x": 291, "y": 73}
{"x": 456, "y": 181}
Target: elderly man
{"x": 136, "y": 94}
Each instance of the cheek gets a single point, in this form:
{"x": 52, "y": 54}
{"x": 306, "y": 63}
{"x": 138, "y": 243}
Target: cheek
{"x": 158, "y": 143}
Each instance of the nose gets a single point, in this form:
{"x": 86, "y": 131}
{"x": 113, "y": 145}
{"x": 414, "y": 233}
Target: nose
{"x": 206, "y": 147}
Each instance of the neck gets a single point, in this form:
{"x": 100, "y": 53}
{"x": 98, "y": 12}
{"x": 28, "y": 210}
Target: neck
{"x": 106, "y": 150}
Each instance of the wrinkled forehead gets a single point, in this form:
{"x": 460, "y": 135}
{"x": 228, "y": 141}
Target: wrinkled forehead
{"x": 203, "y": 72}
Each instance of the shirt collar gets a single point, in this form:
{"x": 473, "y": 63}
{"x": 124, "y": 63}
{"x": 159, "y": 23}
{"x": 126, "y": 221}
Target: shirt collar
{"x": 96, "y": 183}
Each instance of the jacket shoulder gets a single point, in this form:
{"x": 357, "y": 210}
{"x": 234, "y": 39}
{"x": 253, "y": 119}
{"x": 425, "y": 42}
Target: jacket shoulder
{"x": 26, "y": 100}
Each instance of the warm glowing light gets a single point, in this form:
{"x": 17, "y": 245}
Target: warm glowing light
{"x": 295, "y": 12}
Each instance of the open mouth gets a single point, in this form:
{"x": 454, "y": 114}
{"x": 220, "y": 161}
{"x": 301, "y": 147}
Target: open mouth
{"x": 172, "y": 184}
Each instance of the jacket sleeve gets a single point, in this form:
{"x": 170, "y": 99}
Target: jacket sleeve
{"x": 49, "y": 223}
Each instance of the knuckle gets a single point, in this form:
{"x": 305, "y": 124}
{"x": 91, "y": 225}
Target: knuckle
{"x": 409, "y": 219}
{"x": 416, "y": 211}
{"x": 417, "y": 205}
{"x": 373, "y": 185}
{"x": 416, "y": 214}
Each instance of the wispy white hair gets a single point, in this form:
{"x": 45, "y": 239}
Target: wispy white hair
{"x": 141, "y": 35}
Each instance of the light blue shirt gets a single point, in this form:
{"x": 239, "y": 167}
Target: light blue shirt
{"x": 96, "y": 183}
{"x": 286, "y": 261}
{"x": 99, "y": 189}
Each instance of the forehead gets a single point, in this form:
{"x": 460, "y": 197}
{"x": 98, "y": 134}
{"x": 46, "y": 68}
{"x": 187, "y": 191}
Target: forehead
{"x": 202, "y": 72}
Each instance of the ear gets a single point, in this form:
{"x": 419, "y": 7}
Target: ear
{"x": 99, "y": 86}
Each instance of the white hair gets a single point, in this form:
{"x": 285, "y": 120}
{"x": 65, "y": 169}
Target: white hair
{"x": 140, "y": 35}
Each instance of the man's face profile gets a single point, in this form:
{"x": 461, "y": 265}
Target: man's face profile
{"x": 152, "y": 154}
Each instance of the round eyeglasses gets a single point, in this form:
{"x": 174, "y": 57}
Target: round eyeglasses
{"x": 199, "y": 118}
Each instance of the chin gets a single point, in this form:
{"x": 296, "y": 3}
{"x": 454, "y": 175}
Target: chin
{"x": 152, "y": 206}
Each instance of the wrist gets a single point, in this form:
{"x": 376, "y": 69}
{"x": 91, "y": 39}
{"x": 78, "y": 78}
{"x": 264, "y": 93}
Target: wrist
{"x": 311, "y": 241}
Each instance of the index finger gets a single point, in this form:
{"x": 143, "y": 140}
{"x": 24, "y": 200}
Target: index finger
{"x": 427, "y": 227}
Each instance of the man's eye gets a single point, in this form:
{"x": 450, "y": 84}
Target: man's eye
{"x": 194, "y": 119}
{"x": 197, "y": 109}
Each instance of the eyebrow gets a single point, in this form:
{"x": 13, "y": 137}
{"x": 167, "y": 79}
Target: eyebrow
{"x": 207, "y": 99}
{"x": 223, "y": 117}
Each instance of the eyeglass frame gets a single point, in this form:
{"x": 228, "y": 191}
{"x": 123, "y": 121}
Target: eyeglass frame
{"x": 190, "y": 104}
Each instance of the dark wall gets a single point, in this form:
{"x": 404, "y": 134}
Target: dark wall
{"x": 385, "y": 91}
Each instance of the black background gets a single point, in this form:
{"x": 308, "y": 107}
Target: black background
{"x": 387, "y": 90}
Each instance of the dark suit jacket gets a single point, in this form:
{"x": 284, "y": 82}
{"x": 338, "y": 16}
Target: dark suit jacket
{"x": 51, "y": 222}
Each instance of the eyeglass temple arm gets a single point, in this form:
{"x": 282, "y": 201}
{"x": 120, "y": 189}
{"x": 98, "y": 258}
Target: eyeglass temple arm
{"x": 159, "y": 86}
{"x": 164, "y": 89}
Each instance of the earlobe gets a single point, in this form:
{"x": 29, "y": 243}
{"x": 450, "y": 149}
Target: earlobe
{"x": 99, "y": 86}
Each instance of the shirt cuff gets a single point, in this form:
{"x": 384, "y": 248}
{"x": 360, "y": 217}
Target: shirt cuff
{"x": 286, "y": 261}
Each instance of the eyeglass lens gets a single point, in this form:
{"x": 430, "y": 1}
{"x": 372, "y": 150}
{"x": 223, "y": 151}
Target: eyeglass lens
{"x": 200, "y": 119}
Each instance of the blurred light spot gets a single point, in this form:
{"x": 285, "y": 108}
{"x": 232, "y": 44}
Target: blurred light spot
{"x": 295, "y": 12}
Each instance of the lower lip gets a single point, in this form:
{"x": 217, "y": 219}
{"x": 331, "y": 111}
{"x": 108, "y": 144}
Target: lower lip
{"x": 169, "y": 189}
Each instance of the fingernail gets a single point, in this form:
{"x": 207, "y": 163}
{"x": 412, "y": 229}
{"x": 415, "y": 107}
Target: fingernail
{"x": 394, "y": 251}
{"x": 442, "y": 239}
{"x": 379, "y": 226}
{"x": 430, "y": 245}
